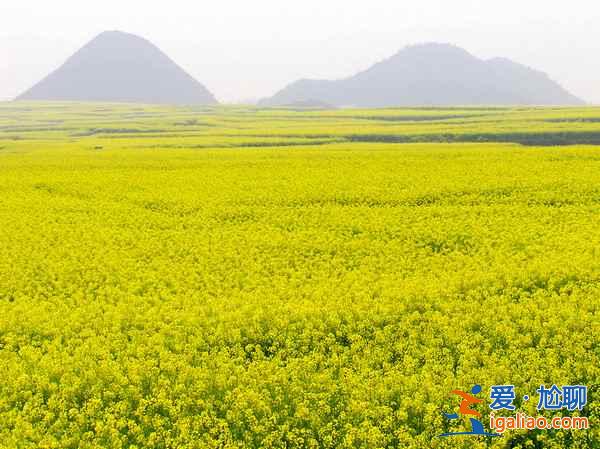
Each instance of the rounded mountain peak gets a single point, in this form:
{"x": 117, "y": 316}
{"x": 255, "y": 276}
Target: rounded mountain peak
{"x": 122, "y": 67}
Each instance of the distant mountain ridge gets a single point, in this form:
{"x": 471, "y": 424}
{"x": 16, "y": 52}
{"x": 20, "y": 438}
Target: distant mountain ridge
{"x": 432, "y": 75}
{"x": 120, "y": 67}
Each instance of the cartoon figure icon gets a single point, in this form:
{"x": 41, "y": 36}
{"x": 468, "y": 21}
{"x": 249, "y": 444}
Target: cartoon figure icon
{"x": 468, "y": 401}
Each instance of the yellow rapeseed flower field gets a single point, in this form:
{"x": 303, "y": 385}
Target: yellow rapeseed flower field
{"x": 247, "y": 278}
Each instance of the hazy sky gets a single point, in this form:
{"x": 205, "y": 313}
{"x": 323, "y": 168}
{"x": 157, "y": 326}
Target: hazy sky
{"x": 243, "y": 49}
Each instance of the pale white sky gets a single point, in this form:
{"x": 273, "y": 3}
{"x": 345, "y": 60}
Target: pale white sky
{"x": 243, "y": 49}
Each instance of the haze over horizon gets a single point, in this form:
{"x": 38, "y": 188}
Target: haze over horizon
{"x": 244, "y": 51}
